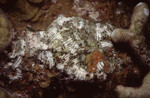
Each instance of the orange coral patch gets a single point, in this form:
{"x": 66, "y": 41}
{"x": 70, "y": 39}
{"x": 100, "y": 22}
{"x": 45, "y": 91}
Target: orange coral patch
{"x": 92, "y": 60}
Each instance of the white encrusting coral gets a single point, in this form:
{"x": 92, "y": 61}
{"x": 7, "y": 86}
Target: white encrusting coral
{"x": 106, "y": 44}
{"x": 86, "y": 8}
{"x": 65, "y": 44}
{"x": 33, "y": 41}
{"x": 46, "y": 57}
{"x": 17, "y": 62}
{"x": 78, "y": 72}
{"x": 100, "y": 66}
{"x": 18, "y": 75}
{"x": 19, "y": 50}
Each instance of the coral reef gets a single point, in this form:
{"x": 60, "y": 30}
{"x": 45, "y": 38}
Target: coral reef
{"x": 74, "y": 52}
{"x": 6, "y": 31}
{"x": 70, "y": 49}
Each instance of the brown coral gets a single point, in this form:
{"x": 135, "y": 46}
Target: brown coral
{"x": 93, "y": 58}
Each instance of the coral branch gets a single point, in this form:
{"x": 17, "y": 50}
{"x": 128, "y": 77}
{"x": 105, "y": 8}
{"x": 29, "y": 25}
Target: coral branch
{"x": 130, "y": 92}
{"x": 139, "y": 17}
{"x": 134, "y": 35}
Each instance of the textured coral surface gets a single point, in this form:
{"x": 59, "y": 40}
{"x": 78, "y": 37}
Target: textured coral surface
{"x": 65, "y": 49}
